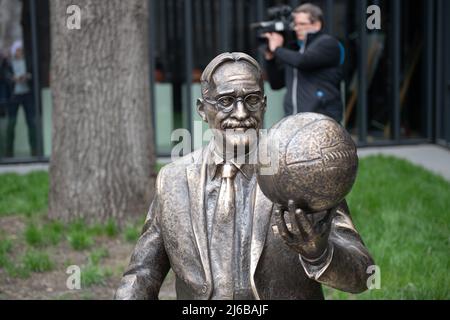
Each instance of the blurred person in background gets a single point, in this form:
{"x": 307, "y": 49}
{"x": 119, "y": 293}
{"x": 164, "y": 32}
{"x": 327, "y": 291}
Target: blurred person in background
{"x": 5, "y": 95}
{"x": 309, "y": 68}
{"x": 21, "y": 96}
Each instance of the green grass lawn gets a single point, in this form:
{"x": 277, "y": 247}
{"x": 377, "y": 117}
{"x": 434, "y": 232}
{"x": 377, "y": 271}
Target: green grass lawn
{"x": 401, "y": 211}
{"x": 23, "y": 194}
{"x": 403, "y": 215}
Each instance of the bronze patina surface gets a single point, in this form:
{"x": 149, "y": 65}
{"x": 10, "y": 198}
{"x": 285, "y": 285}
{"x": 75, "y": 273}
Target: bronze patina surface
{"x": 224, "y": 239}
{"x": 316, "y": 162}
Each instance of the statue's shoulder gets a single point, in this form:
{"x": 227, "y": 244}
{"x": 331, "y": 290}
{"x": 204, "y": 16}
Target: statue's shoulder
{"x": 177, "y": 167}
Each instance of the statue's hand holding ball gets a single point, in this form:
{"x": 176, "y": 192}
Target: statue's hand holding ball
{"x": 316, "y": 163}
{"x": 306, "y": 234}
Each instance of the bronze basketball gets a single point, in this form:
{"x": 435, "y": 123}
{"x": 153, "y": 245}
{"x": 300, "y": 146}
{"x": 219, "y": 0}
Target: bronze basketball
{"x": 315, "y": 159}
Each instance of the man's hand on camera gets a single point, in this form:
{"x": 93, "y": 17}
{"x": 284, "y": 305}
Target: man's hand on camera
{"x": 275, "y": 40}
{"x": 268, "y": 55}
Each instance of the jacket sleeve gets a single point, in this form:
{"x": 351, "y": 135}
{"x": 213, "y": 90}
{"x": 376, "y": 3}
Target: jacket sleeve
{"x": 149, "y": 263}
{"x": 323, "y": 53}
{"x": 275, "y": 74}
{"x": 6, "y": 73}
{"x": 345, "y": 264}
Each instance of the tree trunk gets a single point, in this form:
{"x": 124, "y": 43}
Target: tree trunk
{"x": 102, "y": 162}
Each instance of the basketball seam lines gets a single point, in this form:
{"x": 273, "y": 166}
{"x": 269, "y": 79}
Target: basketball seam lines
{"x": 337, "y": 155}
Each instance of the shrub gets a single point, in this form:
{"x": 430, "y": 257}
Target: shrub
{"x": 34, "y": 236}
{"x": 5, "y": 248}
{"x": 97, "y": 255}
{"x": 50, "y": 233}
{"x": 131, "y": 233}
{"x": 53, "y": 232}
{"x": 80, "y": 239}
{"x": 93, "y": 274}
{"x": 37, "y": 261}
{"x": 111, "y": 229}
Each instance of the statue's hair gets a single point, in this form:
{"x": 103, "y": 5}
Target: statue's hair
{"x": 223, "y": 58}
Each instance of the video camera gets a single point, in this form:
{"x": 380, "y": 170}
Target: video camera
{"x": 280, "y": 21}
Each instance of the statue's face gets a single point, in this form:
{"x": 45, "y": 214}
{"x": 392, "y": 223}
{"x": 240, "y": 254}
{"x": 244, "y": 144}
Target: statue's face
{"x": 235, "y": 106}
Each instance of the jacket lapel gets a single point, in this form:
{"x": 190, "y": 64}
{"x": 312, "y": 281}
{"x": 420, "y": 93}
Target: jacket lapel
{"x": 196, "y": 175}
{"x": 262, "y": 211}
{"x": 261, "y": 219}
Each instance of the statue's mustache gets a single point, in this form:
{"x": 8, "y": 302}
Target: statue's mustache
{"x": 250, "y": 123}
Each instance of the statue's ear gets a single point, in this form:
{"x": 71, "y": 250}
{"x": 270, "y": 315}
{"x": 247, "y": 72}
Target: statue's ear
{"x": 201, "y": 109}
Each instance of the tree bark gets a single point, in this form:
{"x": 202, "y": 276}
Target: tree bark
{"x": 102, "y": 162}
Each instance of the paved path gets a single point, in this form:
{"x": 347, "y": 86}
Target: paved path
{"x": 23, "y": 168}
{"x": 431, "y": 157}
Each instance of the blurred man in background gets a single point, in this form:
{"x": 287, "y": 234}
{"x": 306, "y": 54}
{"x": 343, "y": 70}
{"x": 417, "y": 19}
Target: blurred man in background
{"x": 5, "y": 95}
{"x": 310, "y": 67}
{"x": 21, "y": 95}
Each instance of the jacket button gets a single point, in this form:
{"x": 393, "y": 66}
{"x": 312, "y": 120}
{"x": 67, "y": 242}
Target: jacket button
{"x": 204, "y": 288}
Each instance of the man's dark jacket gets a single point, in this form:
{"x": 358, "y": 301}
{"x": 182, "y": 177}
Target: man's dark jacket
{"x": 312, "y": 75}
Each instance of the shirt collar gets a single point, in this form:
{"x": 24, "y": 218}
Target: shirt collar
{"x": 215, "y": 160}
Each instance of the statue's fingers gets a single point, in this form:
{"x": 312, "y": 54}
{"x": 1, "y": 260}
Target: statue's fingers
{"x": 281, "y": 224}
{"x": 327, "y": 220}
{"x": 291, "y": 206}
{"x": 303, "y": 222}
{"x": 300, "y": 226}
{"x": 278, "y": 207}
{"x": 294, "y": 224}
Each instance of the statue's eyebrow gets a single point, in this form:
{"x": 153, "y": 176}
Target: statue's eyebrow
{"x": 225, "y": 92}
{"x": 251, "y": 91}
{"x": 233, "y": 92}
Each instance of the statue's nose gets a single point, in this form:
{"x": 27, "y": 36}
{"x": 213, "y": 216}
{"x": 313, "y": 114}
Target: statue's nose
{"x": 240, "y": 112}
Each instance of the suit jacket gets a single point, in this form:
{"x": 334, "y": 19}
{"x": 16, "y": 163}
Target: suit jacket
{"x": 175, "y": 236}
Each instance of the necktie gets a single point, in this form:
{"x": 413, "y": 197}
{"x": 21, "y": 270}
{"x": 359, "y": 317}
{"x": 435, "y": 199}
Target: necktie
{"x": 222, "y": 238}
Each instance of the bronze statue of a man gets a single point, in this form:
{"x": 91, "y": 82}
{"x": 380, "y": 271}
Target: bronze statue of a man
{"x": 210, "y": 222}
